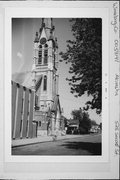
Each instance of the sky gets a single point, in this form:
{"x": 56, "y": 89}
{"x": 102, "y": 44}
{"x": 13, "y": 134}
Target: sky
{"x": 23, "y": 34}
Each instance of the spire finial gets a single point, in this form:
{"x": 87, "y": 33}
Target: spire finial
{"x": 43, "y": 22}
{"x": 36, "y": 37}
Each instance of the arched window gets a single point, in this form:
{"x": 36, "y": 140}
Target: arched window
{"x": 45, "y": 83}
{"x": 46, "y": 46}
{"x": 39, "y": 123}
{"x": 40, "y": 55}
{"x": 45, "y": 54}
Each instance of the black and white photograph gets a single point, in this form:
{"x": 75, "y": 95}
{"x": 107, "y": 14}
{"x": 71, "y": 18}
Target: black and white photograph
{"x": 56, "y": 86}
{"x": 59, "y": 66}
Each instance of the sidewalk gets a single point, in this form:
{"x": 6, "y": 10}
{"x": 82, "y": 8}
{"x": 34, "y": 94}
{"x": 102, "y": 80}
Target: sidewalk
{"x": 39, "y": 139}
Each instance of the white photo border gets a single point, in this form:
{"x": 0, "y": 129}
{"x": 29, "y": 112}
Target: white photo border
{"x": 104, "y": 168}
{"x": 56, "y": 13}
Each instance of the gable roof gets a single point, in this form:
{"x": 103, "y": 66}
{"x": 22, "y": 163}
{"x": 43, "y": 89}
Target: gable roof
{"x": 43, "y": 34}
{"x": 28, "y": 81}
{"x": 56, "y": 103}
{"x": 38, "y": 83}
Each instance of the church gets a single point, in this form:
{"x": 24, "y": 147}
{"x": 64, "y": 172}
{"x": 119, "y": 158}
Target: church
{"x": 44, "y": 81}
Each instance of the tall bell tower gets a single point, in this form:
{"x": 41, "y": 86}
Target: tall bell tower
{"x": 45, "y": 65}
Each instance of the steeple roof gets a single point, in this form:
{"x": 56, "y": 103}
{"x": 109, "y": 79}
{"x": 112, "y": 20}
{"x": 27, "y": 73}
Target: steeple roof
{"x": 47, "y": 28}
{"x": 44, "y": 34}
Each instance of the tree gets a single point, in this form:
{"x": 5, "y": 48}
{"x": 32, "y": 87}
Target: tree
{"x": 83, "y": 118}
{"x": 93, "y": 123}
{"x": 77, "y": 114}
{"x": 84, "y": 53}
{"x": 66, "y": 121}
{"x": 85, "y": 124}
{"x": 100, "y": 126}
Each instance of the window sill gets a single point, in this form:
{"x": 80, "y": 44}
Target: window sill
{"x": 37, "y": 65}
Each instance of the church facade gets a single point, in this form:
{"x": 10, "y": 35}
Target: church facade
{"x": 45, "y": 77}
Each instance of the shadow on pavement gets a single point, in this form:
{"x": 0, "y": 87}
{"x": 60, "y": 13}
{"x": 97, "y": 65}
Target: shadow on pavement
{"x": 93, "y": 148}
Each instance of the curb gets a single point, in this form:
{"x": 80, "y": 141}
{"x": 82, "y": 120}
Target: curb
{"x": 43, "y": 141}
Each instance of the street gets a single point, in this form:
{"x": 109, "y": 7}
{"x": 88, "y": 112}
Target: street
{"x": 83, "y": 145}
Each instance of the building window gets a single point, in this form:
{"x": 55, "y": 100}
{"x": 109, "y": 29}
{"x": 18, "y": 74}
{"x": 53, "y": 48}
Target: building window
{"x": 36, "y": 100}
{"x": 40, "y": 55}
{"x": 45, "y": 83}
{"x": 39, "y": 123}
{"x": 45, "y": 54}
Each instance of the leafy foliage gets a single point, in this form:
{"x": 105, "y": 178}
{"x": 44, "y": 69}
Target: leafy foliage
{"x": 77, "y": 114}
{"x": 84, "y": 53}
{"x": 93, "y": 123}
{"x": 66, "y": 121}
{"x": 84, "y": 120}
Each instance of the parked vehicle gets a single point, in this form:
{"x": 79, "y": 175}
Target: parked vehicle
{"x": 72, "y": 129}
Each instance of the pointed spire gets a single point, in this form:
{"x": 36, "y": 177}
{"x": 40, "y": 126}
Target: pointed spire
{"x": 56, "y": 43}
{"x": 43, "y": 23}
{"x": 36, "y": 38}
{"x": 51, "y": 35}
{"x": 47, "y": 27}
{"x": 42, "y": 20}
{"x": 48, "y": 23}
